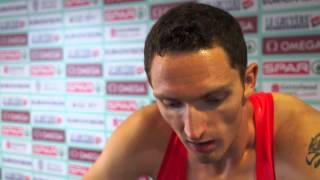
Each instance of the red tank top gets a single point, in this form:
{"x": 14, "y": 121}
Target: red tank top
{"x": 174, "y": 164}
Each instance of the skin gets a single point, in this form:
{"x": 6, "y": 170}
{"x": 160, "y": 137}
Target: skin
{"x": 201, "y": 97}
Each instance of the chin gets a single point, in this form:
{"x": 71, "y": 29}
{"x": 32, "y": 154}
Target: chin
{"x": 214, "y": 157}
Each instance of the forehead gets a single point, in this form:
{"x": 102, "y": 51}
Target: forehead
{"x": 191, "y": 74}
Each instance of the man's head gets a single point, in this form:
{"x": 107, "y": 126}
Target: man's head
{"x": 192, "y": 27}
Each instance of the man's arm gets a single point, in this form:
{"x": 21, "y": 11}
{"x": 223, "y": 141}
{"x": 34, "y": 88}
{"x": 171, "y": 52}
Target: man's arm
{"x": 134, "y": 149}
{"x": 297, "y": 139}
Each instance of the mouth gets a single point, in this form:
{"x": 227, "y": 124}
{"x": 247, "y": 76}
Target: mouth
{"x": 203, "y": 147}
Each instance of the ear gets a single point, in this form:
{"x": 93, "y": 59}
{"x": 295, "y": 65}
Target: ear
{"x": 250, "y": 79}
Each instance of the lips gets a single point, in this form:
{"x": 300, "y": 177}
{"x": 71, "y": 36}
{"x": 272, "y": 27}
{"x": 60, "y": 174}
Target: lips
{"x": 203, "y": 147}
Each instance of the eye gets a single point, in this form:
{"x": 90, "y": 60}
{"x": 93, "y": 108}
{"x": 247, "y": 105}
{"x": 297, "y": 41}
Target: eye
{"x": 170, "y": 103}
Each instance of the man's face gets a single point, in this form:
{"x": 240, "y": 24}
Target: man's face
{"x": 201, "y": 97}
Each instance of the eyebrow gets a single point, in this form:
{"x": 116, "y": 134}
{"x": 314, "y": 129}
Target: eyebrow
{"x": 212, "y": 92}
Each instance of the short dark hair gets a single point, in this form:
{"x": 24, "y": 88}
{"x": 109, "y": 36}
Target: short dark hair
{"x": 191, "y": 27}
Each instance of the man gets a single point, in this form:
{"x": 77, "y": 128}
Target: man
{"x": 207, "y": 122}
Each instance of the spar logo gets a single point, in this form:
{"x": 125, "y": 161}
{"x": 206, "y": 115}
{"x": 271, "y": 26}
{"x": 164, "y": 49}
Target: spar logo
{"x": 126, "y": 32}
{"x": 84, "y": 70}
{"x": 125, "y": 70}
{"x": 46, "y": 150}
{"x": 291, "y": 21}
{"x": 14, "y": 39}
{"x": 86, "y": 121}
{"x": 15, "y": 116}
{"x": 157, "y": 10}
{"x": 15, "y": 131}
{"x": 45, "y": 21}
{"x": 44, "y": 5}
{"x": 132, "y": 13}
{"x": 292, "y": 44}
{"x": 52, "y": 135}
{"x": 114, "y": 121}
{"x": 13, "y": 146}
{"x": 84, "y": 53}
{"x": 127, "y": 88}
{"x": 47, "y": 119}
{"x": 14, "y": 101}
{"x": 45, "y": 70}
{"x": 77, "y": 169}
{"x": 85, "y": 138}
{"x": 130, "y": 105}
{"x": 83, "y": 87}
{"x": 79, "y": 3}
{"x": 12, "y": 54}
{"x": 50, "y": 166}
{"x": 89, "y": 17}
{"x": 248, "y": 24}
{"x": 80, "y": 154}
{"x": 13, "y": 24}
{"x": 45, "y": 38}
{"x": 291, "y": 68}
{"x": 14, "y": 70}
{"x": 46, "y": 54}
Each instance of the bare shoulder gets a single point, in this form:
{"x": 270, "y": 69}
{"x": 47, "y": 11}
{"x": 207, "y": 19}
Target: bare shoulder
{"x": 297, "y": 128}
{"x": 135, "y": 148}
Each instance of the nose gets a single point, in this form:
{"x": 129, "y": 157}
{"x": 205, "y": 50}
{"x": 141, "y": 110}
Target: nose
{"x": 195, "y": 124}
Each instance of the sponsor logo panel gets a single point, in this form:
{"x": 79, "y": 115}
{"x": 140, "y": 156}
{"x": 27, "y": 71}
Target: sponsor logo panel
{"x": 84, "y": 70}
{"x": 86, "y": 121}
{"x": 56, "y": 119}
{"x": 291, "y": 44}
{"x": 21, "y": 162}
{"x": 46, "y": 54}
{"x": 21, "y": 132}
{"x": 128, "y": 105}
{"x": 44, "y": 5}
{"x": 45, "y": 38}
{"x": 83, "y": 35}
{"x": 77, "y": 169}
{"x": 45, "y": 21}
{"x": 127, "y": 87}
{"x": 80, "y": 154}
{"x": 45, "y": 103}
{"x": 233, "y": 5}
{"x": 46, "y": 70}
{"x": 125, "y": 70}
{"x": 86, "y": 104}
{"x": 157, "y": 10}
{"x": 51, "y": 135}
{"x": 14, "y": 24}
{"x": 248, "y": 24}
{"x": 14, "y": 39}
{"x": 88, "y": 17}
{"x": 14, "y": 101}
{"x": 252, "y": 44}
{"x": 10, "y": 174}
{"x": 50, "y": 167}
{"x": 124, "y": 14}
{"x": 86, "y": 138}
{"x": 13, "y": 55}
{"x": 49, "y": 150}
{"x": 119, "y": 1}
{"x": 14, "y": 146}
{"x": 291, "y": 68}
{"x": 303, "y": 90}
{"x": 18, "y": 86}
{"x": 301, "y": 21}
{"x": 48, "y": 86}
{"x": 46, "y": 177}
{"x": 15, "y": 116}
{"x": 124, "y": 51}
{"x": 84, "y": 53}
{"x": 80, "y": 3}
{"x": 14, "y": 70}
{"x": 287, "y": 4}
{"x": 126, "y": 32}
{"x": 88, "y": 87}
{"x": 114, "y": 122}
{"x": 13, "y": 8}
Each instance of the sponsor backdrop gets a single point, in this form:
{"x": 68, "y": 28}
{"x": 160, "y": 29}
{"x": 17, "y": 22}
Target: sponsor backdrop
{"x": 71, "y": 71}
